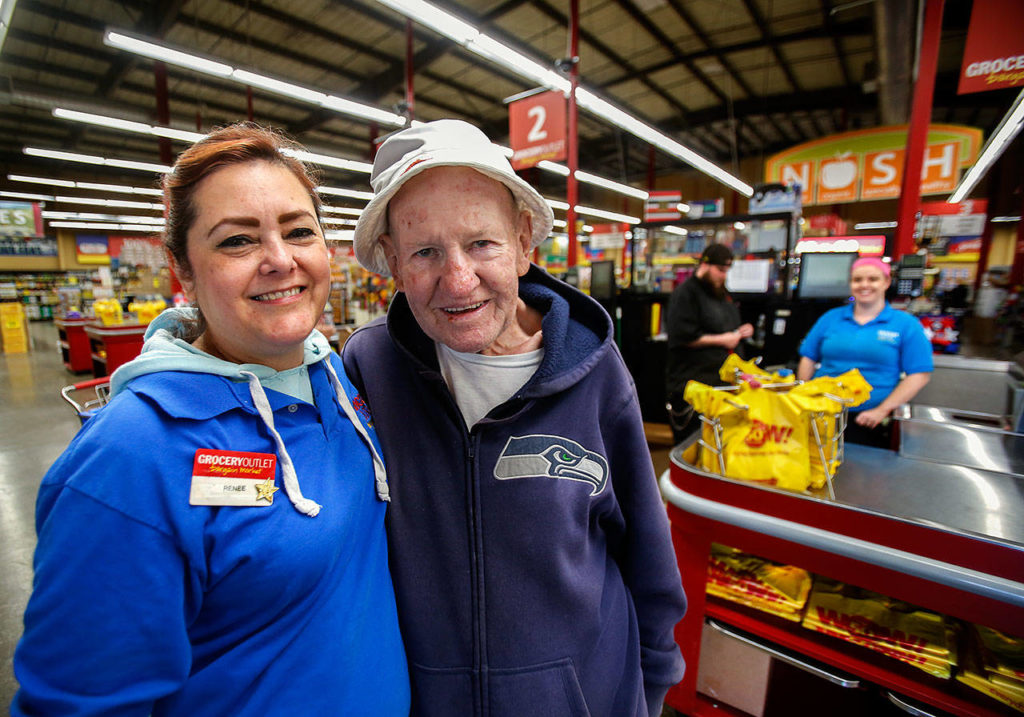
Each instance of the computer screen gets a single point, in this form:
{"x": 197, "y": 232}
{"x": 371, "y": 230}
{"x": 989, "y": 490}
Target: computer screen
{"x": 749, "y": 276}
{"x": 825, "y": 275}
{"x": 602, "y": 280}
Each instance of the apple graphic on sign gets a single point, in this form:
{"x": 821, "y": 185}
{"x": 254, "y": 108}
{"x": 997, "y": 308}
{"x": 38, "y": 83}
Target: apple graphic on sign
{"x": 839, "y": 172}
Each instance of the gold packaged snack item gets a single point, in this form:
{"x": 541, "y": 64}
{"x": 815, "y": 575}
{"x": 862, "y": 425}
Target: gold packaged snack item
{"x": 979, "y": 670}
{"x": 761, "y": 584}
{"x": 905, "y": 632}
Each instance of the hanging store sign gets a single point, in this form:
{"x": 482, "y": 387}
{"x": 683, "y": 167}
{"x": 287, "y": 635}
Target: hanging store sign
{"x": 868, "y": 164}
{"x": 952, "y": 232}
{"x": 537, "y": 129}
{"x": 608, "y": 236}
{"x": 20, "y": 219}
{"x": 663, "y": 206}
{"x": 994, "y": 51}
{"x": 92, "y": 249}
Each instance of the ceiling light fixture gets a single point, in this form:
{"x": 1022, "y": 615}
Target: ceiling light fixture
{"x": 1006, "y": 219}
{"x": 475, "y": 41}
{"x": 1008, "y": 128}
{"x": 106, "y": 226}
{"x": 24, "y": 195}
{"x": 172, "y": 56}
{"x": 85, "y": 185}
{"x": 92, "y": 159}
{"x": 875, "y": 225}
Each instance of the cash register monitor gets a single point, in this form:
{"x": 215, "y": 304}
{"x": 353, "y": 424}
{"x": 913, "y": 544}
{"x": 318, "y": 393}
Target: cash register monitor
{"x": 825, "y": 275}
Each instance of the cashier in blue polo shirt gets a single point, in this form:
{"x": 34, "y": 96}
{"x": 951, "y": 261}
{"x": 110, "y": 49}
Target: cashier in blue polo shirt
{"x": 889, "y": 348}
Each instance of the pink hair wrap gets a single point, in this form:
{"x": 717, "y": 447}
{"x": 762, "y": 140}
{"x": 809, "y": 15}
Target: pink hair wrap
{"x": 872, "y": 261}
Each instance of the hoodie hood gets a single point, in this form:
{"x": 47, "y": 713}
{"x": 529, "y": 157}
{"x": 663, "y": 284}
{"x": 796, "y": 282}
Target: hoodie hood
{"x": 164, "y": 350}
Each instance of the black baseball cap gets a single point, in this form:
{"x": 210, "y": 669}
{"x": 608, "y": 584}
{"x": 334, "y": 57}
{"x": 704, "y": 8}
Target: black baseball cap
{"x": 717, "y": 254}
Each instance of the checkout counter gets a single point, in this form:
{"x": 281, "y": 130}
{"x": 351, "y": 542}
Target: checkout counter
{"x": 938, "y": 523}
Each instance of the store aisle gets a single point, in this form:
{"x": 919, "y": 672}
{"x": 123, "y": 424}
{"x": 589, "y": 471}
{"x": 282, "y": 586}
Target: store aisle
{"x": 35, "y": 426}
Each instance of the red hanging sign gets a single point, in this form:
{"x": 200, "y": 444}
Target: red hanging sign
{"x": 537, "y": 129}
{"x": 994, "y": 51}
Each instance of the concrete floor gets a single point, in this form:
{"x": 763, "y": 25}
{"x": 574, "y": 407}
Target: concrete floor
{"x": 35, "y": 426}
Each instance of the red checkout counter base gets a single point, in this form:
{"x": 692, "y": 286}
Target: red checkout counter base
{"x": 944, "y": 537}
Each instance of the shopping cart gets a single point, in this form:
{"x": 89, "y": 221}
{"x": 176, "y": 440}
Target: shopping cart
{"x": 76, "y": 393}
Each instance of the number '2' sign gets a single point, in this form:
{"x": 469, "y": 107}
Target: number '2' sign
{"x": 537, "y": 129}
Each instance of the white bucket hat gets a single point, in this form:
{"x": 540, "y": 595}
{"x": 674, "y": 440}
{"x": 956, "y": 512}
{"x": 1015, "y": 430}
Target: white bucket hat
{"x": 443, "y": 143}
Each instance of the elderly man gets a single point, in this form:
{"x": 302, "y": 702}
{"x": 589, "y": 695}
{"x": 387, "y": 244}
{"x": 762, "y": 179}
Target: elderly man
{"x": 703, "y": 328}
{"x": 529, "y": 546}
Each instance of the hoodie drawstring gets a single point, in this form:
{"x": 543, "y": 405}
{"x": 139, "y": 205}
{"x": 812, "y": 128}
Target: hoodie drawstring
{"x": 291, "y": 480}
{"x": 380, "y": 475}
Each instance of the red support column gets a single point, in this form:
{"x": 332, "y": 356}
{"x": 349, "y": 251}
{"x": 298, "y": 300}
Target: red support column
{"x": 572, "y": 189}
{"x": 917, "y": 132}
{"x": 163, "y": 111}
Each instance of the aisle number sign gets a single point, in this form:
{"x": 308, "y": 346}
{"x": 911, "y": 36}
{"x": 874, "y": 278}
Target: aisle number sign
{"x": 868, "y": 164}
{"x": 994, "y": 51}
{"x": 537, "y": 129}
{"x": 20, "y": 219}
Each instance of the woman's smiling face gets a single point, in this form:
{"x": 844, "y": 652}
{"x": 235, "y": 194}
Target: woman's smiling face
{"x": 259, "y": 266}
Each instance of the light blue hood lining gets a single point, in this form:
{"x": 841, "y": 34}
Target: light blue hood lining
{"x": 164, "y": 350}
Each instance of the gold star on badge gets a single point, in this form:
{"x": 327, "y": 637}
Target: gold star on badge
{"x": 265, "y": 491}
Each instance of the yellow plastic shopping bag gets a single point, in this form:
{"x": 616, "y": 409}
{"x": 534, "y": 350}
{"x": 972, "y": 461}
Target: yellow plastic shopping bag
{"x": 825, "y": 398}
{"x": 734, "y": 370}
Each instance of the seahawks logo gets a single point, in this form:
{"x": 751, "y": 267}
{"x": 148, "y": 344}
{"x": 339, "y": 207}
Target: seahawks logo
{"x": 551, "y": 457}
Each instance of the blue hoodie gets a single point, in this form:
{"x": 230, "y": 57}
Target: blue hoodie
{"x": 144, "y": 604}
{"x": 531, "y": 555}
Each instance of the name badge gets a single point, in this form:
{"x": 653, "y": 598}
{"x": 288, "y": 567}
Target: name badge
{"x": 232, "y": 478}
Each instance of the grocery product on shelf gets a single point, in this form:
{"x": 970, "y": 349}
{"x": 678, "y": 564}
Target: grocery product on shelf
{"x": 891, "y": 627}
{"x": 781, "y": 590}
{"x": 993, "y": 663}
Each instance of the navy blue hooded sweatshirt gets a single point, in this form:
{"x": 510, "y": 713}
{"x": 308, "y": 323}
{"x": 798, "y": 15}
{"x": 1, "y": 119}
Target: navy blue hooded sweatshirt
{"x": 531, "y": 555}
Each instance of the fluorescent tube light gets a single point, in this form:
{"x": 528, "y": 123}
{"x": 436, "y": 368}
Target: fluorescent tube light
{"x": 612, "y": 185}
{"x": 1006, "y": 219}
{"x": 92, "y": 159}
{"x": 329, "y": 161}
{"x": 354, "y": 193}
{"x": 1000, "y": 139}
{"x": 110, "y": 227}
{"x": 152, "y": 50}
{"x": 31, "y": 197}
{"x": 109, "y": 122}
{"x": 343, "y": 210}
{"x": 875, "y": 225}
{"x": 434, "y": 18}
{"x": 68, "y": 184}
{"x": 156, "y": 51}
{"x": 110, "y": 203}
{"x": 42, "y": 180}
{"x": 340, "y": 235}
{"x": 602, "y": 214}
{"x": 674, "y": 230}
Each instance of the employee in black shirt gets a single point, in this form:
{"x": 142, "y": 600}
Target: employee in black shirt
{"x": 703, "y": 329}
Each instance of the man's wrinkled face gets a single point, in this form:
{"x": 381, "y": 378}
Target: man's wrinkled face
{"x": 456, "y": 247}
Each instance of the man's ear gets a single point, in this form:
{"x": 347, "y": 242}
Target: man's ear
{"x": 524, "y": 235}
{"x": 391, "y": 255}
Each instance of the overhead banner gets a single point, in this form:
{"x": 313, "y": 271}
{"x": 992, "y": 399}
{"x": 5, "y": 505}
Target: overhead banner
{"x": 994, "y": 51}
{"x": 20, "y": 219}
{"x": 537, "y": 129}
{"x": 868, "y": 164}
{"x": 952, "y": 232}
